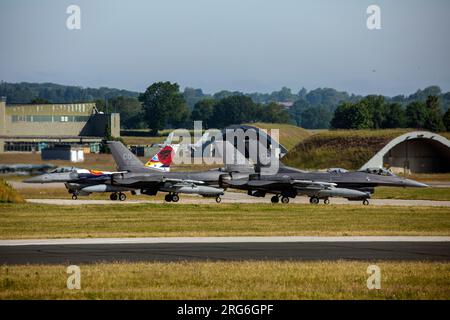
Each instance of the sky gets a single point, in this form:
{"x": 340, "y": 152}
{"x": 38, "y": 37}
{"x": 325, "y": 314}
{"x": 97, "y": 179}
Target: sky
{"x": 245, "y": 45}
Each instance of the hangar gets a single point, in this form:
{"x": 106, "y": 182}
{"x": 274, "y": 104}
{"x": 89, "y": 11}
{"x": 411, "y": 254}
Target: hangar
{"x": 33, "y": 127}
{"x": 414, "y": 152}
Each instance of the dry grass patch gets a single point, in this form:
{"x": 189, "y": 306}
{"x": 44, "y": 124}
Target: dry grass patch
{"x": 229, "y": 280}
{"x": 171, "y": 220}
{"x": 8, "y": 194}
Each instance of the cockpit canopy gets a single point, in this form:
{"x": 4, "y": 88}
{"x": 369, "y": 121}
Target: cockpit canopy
{"x": 64, "y": 169}
{"x": 337, "y": 170}
{"x": 379, "y": 171}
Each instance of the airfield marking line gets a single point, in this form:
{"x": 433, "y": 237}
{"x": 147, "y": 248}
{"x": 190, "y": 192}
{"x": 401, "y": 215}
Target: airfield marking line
{"x": 193, "y": 240}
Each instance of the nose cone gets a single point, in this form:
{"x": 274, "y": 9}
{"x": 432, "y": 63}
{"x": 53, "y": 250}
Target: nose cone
{"x": 414, "y": 184}
{"x": 39, "y": 179}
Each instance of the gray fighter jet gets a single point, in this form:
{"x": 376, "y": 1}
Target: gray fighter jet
{"x": 290, "y": 182}
{"x": 82, "y": 182}
{"x": 135, "y": 176}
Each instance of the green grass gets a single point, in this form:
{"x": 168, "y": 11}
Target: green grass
{"x": 348, "y": 149}
{"x": 133, "y": 140}
{"x": 229, "y": 280}
{"x": 428, "y": 177}
{"x": 289, "y": 135}
{"x": 27, "y": 221}
{"x": 437, "y": 194}
{"x": 8, "y": 194}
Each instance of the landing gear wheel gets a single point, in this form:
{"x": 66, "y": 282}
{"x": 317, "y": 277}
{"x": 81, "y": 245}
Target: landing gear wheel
{"x": 74, "y": 196}
{"x": 218, "y": 199}
{"x": 365, "y": 202}
{"x": 285, "y": 200}
{"x": 175, "y": 198}
{"x": 168, "y": 198}
{"x": 326, "y": 201}
{"x": 314, "y": 200}
{"x": 122, "y": 196}
{"x": 113, "y": 196}
{"x": 275, "y": 199}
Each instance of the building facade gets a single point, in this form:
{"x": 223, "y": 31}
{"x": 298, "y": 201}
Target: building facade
{"x": 28, "y": 127}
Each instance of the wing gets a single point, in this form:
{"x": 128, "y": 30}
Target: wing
{"x": 312, "y": 185}
{"x": 181, "y": 181}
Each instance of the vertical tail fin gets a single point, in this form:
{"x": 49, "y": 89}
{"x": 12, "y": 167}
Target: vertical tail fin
{"x": 162, "y": 160}
{"x": 124, "y": 158}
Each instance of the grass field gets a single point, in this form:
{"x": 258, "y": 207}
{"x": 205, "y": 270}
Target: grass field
{"x": 229, "y": 280}
{"x": 27, "y": 221}
{"x": 130, "y": 140}
{"x": 437, "y": 194}
{"x": 429, "y": 177}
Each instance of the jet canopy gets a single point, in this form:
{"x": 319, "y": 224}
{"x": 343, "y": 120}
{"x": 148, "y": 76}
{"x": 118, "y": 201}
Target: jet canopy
{"x": 64, "y": 169}
{"x": 379, "y": 171}
{"x": 337, "y": 170}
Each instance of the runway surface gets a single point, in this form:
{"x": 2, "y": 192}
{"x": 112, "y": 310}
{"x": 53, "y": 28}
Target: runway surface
{"x": 82, "y": 251}
{"x": 235, "y": 197}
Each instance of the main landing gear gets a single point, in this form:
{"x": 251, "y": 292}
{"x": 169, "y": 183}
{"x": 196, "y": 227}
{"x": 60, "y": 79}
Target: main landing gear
{"x": 172, "y": 197}
{"x": 118, "y": 196}
{"x": 278, "y": 197}
{"x": 74, "y": 196}
{"x": 316, "y": 200}
{"x": 365, "y": 202}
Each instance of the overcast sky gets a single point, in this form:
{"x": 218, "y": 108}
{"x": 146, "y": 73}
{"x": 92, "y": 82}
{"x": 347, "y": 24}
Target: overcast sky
{"x": 246, "y": 45}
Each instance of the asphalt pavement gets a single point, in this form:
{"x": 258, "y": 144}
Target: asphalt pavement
{"x": 86, "y": 251}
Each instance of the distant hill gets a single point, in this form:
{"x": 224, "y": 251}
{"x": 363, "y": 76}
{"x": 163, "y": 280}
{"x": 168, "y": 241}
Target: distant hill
{"x": 25, "y": 92}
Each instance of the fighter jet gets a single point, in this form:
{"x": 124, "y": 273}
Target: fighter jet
{"x": 82, "y": 182}
{"x": 134, "y": 175}
{"x": 290, "y": 182}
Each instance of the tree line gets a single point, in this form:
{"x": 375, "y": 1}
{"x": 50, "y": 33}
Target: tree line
{"x": 163, "y": 105}
{"x": 374, "y": 112}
